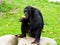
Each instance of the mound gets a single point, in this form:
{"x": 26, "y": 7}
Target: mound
{"x": 8, "y": 40}
{"x": 44, "y": 41}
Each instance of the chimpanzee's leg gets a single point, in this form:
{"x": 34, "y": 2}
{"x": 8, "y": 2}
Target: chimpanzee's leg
{"x": 24, "y": 28}
{"x": 37, "y": 36}
{"x": 32, "y": 33}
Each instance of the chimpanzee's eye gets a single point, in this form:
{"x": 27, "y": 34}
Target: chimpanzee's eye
{"x": 25, "y": 10}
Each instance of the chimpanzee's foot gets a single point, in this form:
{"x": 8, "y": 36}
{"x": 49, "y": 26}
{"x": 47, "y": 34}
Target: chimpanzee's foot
{"x": 21, "y": 35}
{"x": 35, "y": 43}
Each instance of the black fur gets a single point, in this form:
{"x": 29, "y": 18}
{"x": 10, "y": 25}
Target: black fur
{"x": 33, "y": 24}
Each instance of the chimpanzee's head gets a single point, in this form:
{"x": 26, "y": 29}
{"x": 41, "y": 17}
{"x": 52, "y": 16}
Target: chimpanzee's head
{"x": 28, "y": 11}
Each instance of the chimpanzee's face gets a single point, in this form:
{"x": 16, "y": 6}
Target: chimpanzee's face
{"x": 26, "y": 13}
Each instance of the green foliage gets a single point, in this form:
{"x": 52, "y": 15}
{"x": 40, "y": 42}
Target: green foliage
{"x": 5, "y": 7}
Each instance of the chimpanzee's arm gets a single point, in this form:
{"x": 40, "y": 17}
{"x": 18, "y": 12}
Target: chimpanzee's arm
{"x": 24, "y": 20}
{"x": 38, "y": 34}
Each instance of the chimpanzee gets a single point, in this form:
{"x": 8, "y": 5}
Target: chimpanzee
{"x": 32, "y": 23}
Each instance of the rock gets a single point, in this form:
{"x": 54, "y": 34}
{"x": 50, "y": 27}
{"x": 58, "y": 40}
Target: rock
{"x": 8, "y": 40}
{"x": 43, "y": 41}
{"x": 13, "y": 40}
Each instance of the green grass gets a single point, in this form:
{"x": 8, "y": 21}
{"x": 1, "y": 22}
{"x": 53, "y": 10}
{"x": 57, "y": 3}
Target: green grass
{"x": 11, "y": 11}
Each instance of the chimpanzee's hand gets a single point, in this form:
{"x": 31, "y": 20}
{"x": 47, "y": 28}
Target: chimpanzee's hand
{"x": 21, "y": 19}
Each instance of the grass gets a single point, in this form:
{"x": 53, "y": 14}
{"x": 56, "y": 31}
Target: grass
{"x": 12, "y": 10}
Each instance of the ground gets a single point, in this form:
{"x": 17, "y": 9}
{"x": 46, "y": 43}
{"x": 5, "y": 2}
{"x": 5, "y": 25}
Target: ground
{"x": 12, "y": 10}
